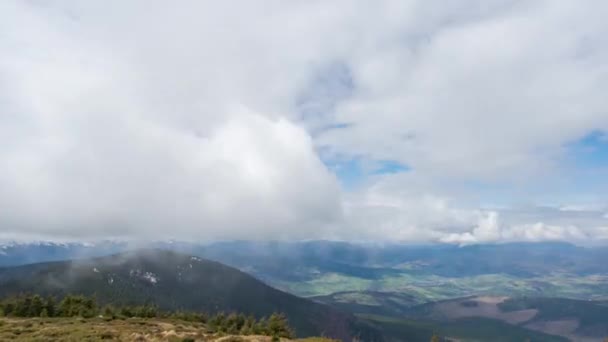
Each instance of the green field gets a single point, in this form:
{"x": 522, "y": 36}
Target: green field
{"x": 433, "y": 287}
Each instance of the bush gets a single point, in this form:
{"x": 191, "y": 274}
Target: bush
{"x": 86, "y": 307}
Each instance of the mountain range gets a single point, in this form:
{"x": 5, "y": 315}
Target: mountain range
{"x": 387, "y": 292}
{"x": 176, "y": 281}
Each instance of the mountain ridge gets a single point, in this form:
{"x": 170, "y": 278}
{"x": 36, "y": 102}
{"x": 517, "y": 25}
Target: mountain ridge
{"x": 178, "y": 281}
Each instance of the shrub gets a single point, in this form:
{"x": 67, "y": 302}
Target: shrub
{"x": 86, "y": 307}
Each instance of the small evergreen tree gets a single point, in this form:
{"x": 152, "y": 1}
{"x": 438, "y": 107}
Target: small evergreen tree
{"x": 23, "y": 306}
{"x": 50, "y": 306}
{"x": 278, "y": 326}
{"x": 77, "y": 305}
{"x": 126, "y": 311}
{"x": 66, "y": 307}
{"x": 261, "y": 327}
{"x": 9, "y": 308}
{"x": 109, "y": 312}
{"x": 217, "y": 322}
{"x": 36, "y": 306}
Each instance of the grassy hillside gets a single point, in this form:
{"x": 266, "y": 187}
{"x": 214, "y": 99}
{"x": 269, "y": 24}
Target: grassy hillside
{"x": 371, "y": 302}
{"x": 462, "y": 319}
{"x": 465, "y": 330}
{"x": 592, "y": 317}
{"x": 134, "y": 329}
{"x": 175, "y": 281}
{"x": 575, "y": 320}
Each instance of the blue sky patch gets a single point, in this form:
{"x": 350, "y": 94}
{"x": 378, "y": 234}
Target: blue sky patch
{"x": 390, "y": 166}
{"x": 354, "y": 171}
{"x": 591, "y": 151}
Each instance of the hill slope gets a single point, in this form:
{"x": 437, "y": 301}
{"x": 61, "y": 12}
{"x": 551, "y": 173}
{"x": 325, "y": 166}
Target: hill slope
{"x": 428, "y": 273}
{"x": 575, "y": 320}
{"x": 370, "y": 302}
{"x": 176, "y": 281}
{"x": 134, "y": 329}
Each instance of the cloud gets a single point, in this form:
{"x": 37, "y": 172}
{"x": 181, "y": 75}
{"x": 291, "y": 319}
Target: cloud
{"x": 489, "y": 92}
{"x": 488, "y": 230}
{"x": 402, "y": 207}
{"x": 409, "y": 207}
{"x": 252, "y": 177}
{"x": 214, "y": 120}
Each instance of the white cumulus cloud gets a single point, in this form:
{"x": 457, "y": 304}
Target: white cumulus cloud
{"x": 215, "y": 120}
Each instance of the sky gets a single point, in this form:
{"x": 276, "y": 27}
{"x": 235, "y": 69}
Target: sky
{"x": 388, "y": 120}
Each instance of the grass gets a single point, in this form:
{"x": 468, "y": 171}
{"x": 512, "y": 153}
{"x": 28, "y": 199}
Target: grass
{"x": 588, "y": 313}
{"x": 427, "y": 287}
{"x": 325, "y": 284}
{"x": 99, "y": 329}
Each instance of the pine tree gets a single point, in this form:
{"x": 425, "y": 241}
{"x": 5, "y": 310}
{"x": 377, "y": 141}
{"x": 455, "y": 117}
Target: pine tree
{"x": 109, "y": 312}
{"x": 232, "y": 329}
{"x": 50, "y": 306}
{"x": 231, "y": 320}
{"x": 23, "y": 306}
{"x": 246, "y": 330}
{"x": 126, "y": 311}
{"x": 65, "y": 307}
{"x": 260, "y": 327}
{"x": 203, "y": 317}
{"x": 218, "y": 322}
{"x": 77, "y": 305}
{"x": 278, "y": 326}
{"x": 36, "y": 306}
{"x": 248, "y": 326}
{"x": 9, "y": 308}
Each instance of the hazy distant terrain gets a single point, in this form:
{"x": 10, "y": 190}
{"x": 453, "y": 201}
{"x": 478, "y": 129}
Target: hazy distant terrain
{"x": 423, "y": 273}
{"x": 537, "y": 291}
